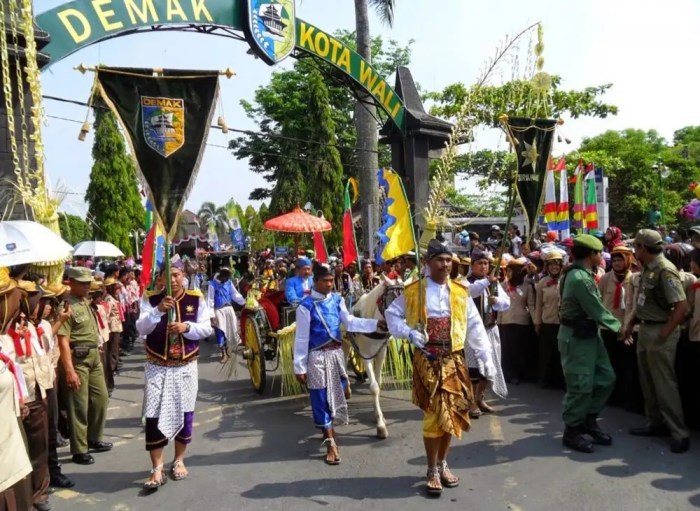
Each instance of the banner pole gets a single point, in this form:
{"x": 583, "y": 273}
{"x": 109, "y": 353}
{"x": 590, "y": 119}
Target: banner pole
{"x": 168, "y": 284}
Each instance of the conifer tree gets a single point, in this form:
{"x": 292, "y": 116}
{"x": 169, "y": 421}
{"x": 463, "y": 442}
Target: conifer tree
{"x": 115, "y": 206}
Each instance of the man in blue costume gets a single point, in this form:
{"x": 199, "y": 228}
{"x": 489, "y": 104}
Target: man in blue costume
{"x": 220, "y": 298}
{"x": 297, "y": 287}
{"x": 318, "y": 358}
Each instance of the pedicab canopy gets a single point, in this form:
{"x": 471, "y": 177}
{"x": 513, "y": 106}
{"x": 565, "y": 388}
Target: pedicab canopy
{"x": 298, "y": 222}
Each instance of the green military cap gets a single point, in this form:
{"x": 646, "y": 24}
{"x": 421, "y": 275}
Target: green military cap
{"x": 588, "y": 241}
{"x": 80, "y": 274}
{"x": 648, "y": 238}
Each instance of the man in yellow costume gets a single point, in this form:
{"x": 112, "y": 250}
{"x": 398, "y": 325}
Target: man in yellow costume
{"x": 441, "y": 385}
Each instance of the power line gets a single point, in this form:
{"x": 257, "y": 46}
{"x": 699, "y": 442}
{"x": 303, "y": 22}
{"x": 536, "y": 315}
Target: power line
{"x": 236, "y": 130}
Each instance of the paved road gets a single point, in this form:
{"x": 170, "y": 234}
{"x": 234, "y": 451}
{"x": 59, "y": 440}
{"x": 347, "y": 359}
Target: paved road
{"x": 253, "y": 453}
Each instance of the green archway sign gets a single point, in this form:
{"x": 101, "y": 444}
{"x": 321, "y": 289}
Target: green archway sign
{"x": 80, "y": 23}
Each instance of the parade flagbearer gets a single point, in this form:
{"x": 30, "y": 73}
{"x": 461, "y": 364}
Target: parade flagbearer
{"x": 171, "y": 370}
{"x": 588, "y": 374}
{"x": 441, "y": 385}
{"x": 221, "y": 296}
{"x": 318, "y": 358}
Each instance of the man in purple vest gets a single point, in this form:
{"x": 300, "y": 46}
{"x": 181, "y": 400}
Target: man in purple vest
{"x": 171, "y": 370}
{"x": 318, "y": 359}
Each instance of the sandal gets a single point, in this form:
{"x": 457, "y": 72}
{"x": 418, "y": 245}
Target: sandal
{"x": 333, "y": 454}
{"x": 173, "y": 470}
{"x": 151, "y": 485}
{"x": 474, "y": 412}
{"x": 433, "y": 485}
{"x": 484, "y": 407}
{"x": 447, "y": 478}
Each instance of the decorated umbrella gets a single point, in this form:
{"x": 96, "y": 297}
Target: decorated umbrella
{"x": 298, "y": 222}
{"x": 96, "y": 249}
{"x": 24, "y": 242}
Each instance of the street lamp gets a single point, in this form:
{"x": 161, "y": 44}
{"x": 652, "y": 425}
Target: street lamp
{"x": 136, "y": 235}
{"x": 663, "y": 171}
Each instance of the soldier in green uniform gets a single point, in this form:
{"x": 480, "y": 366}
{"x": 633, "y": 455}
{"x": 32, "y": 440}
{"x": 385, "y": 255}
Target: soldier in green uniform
{"x": 82, "y": 371}
{"x": 589, "y": 376}
{"x": 660, "y": 309}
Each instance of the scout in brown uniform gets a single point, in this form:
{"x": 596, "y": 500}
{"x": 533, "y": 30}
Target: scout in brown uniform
{"x": 515, "y": 323}
{"x": 613, "y": 288}
{"x": 547, "y": 321}
{"x": 661, "y": 308}
{"x": 115, "y": 317}
{"x": 24, "y": 345}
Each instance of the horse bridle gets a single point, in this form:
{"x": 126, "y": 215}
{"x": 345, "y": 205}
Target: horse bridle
{"x": 392, "y": 292}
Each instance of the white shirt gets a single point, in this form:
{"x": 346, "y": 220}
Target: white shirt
{"x": 437, "y": 301}
{"x": 301, "y": 341}
{"x": 502, "y": 299}
{"x": 150, "y": 317}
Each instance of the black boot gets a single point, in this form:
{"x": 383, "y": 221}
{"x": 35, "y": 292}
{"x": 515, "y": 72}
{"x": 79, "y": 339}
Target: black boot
{"x": 593, "y": 429}
{"x": 574, "y": 437}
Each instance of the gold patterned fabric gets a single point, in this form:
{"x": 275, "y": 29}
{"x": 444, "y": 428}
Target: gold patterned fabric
{"x": 442, "y": 389}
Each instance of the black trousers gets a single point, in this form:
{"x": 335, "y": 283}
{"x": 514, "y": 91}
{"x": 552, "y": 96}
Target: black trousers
{"x": 52, "y": 400}
{"x": 688, "y": 374}
{"x": 628, "y": 391}
{"x": 550, "y": 373}
{"x": 518, "y": 351}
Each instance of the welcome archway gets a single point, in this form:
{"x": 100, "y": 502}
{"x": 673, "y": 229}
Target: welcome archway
{"x": 80, "y": 23}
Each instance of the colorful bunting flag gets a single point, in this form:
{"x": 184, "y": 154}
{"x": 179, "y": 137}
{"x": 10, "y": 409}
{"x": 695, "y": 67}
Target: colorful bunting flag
{"x": 550, "y": 200}
{"x": 349, "y": 243}
{"x": 591, "y": 200}
{"x": 579, "y": 213}
{"x": 563, "y": 208}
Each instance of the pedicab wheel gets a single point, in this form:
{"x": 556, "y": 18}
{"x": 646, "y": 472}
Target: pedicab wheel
{"x": 357, "y": 364}
{"x": 254, "y": 355}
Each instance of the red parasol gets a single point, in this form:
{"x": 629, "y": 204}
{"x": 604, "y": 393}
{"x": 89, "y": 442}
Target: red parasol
{"x": 298, "y": 222}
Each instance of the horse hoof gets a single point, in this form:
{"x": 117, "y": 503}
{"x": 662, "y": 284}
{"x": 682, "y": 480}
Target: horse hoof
{"x": 382, "y": 433}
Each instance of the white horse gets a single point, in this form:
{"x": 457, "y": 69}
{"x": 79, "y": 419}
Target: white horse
{"x": 372, "y": 347}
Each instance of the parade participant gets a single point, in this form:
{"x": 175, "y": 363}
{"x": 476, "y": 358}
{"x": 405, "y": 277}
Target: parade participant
{"x": 115, "y": 317}
{"x": 318, "y": 358}
{"x": 23, "y": 345}
{"x": 587, "y": 372}
{"x": 297, "y": 287}
{"x": 613, "y": 238}
{"x": 222, "y": 294}
{"x": 411, "y": 268}
{"x": 516, "y": 242}
{"x": 101, "y": 309}
{"x": 52, "y": 318}
{"x": 441, "y": 385}
{"x": 369, "y": 280}
{"x": 82, "y": 374}
{"x": 661, "y": 308}
{"x": 171, "y": 374}
{"x": 495, "y": 236}
{"x": 15, "y": 490}
{"x": 489, "y": 305}
{"x": 547, "y": 321}
{"x": 613, "y": 287}
{"x": 515, "y": 323}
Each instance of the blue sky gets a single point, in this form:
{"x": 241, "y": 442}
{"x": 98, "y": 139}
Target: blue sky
{"x": 644, "y": 47}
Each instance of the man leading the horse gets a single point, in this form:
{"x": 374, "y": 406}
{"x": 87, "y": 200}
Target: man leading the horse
{"x": 441, "y": 385}
{"x": 318, "y": 358}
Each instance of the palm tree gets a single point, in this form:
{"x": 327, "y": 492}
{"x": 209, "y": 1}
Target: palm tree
{"x": 209, "y": 213}
{"x": 365, "y": 117}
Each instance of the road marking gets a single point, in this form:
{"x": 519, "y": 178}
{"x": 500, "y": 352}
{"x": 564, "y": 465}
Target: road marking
{"x": 66, "y": 494}
{"x": 496, "y": 431}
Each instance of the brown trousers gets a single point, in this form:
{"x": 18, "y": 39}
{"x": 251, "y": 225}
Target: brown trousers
{"x": 110, "y": 358}
{"x": 36, "y": 427}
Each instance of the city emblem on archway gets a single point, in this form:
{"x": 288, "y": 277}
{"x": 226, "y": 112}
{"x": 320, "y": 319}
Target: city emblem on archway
{"x": 271, "y": 26}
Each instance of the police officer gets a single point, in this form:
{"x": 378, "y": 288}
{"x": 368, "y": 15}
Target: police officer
{"x": 587, "y": 371}
{"x": 83, "y": 375}
{"x": 660, "y": 309}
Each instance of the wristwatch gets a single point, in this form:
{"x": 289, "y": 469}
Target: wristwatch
{"x": 189, "y": 327}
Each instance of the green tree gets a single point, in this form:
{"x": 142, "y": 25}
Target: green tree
{"x": 73, "y": 228}
{"x": 492, "y": 101}
{"x": 114, "y": 202}
{"x": 209, "y": 213}
{"x": 629, "y": 158}
{"x": 325, "y": 172}
{"x": 280, "y": 148}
